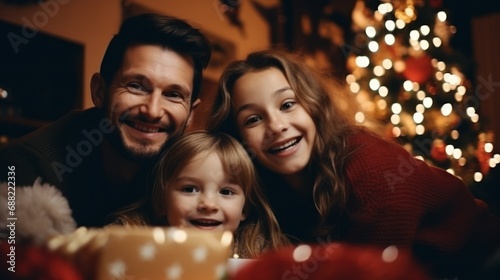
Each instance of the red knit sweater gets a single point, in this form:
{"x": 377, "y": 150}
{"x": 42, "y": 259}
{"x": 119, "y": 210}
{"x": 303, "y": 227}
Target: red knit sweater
{"x": 400, "y": 200}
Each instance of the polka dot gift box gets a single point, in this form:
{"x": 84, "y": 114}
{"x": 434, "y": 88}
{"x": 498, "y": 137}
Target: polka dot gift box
{"x": 146, "y": 253}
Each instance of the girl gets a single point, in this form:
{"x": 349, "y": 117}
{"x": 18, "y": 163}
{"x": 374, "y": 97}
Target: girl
{"x": 327, "y": 179}
{"x": 207, "y": 181}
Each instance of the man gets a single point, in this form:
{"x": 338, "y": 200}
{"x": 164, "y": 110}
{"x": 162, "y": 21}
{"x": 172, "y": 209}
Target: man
{"x": 144, "y": 97}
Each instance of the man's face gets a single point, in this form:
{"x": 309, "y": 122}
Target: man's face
{"x": 149, "y": 100}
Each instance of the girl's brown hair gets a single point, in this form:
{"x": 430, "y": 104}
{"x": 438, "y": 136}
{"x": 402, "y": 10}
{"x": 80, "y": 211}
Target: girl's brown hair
{"x": 315, "y": 93}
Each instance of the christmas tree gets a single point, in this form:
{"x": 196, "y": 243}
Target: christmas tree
{"x": 407, "y": 77}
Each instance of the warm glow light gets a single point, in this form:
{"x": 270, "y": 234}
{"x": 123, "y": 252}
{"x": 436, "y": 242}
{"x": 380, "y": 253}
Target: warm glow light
{"x": 414, "y": 35}
{"x": 373, "y": 46}
{"x": 455, "y": 134}
{"x": 488, "y": 147}
{"x": 427, "y": 102}
{"x": 492, "y": 163}
{"x": 384, "y": 8}
{"x": 474, "y": 118}
{"x": 446, "y": 87}
{"x": 370, "y": 31}
{"x": 378, "y": 70}
{"x": 420, "y": 129}
{"x": 439, "y": 75}
{"x": 354, "y": 87}
{"x": 418, "y": 117}
{"x": 387, "y": 64}
{"x": 451, "y": 171}
{"x": 359, "y": 117}
{"x": 400, "y": 23}
{"x": 399, "y": 66}
{"x": 415, "y": 86}
{"x": 396, "y": 108}
{"x": 446, "y": 109}
{"x": 410, "y": 12}
{"x": 408, "y": 85}
{"x": 497, "y": 158}
{"x": 389, "y": 39}
{"x": 374, "y": 84}
{"x": 462, "y": 161}
{"x": 457, "y": 153}
{"x": 390, "y": 25}
{"x": 382, "y": 104}
{"x": 350, "y": 79}
{"x": 437, "y": 42}
{"x": 362, "y": 61}
{"x": 441, "y": 16}
{"x": 441, "y": 66}
{"x": 396, "y": 131}
{"x": 424, "y": 44}
{"x": 478, "y": 176}
{"x": 470, "y": 111}
{"x": 421, "y": 95}
{"x": 383, "y": 91}
{"x": 461, "y": 90}
{"x": 420, "y": 108}
{"x": 458, "y": 97}
{"x": 395, "y": 119}
{"x": 425, "y": 29}
{"x": 449, "y": 149}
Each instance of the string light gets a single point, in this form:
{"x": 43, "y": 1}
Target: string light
{"x": 432, "y": 95}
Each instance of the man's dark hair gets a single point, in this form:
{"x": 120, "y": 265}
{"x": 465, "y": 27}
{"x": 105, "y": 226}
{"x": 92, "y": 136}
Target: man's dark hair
{"x": 164, "y": 31}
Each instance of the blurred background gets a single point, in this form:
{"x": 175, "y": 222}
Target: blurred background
{"x": 424, "y": 72}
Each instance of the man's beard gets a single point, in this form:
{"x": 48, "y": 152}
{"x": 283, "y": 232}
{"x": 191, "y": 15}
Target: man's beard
{"x": 139, "y": 152}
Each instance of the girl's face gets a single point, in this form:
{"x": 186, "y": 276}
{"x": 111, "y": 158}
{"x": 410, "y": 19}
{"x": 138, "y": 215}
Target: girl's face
{"x": 202, "y": 196}
{"x": 277, "y": 129}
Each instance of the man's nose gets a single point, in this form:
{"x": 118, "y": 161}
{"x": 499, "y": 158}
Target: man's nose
{"x": 151, "y": 108}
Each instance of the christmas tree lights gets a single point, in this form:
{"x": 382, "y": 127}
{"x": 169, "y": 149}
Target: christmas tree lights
{"x": 407, "y": 77}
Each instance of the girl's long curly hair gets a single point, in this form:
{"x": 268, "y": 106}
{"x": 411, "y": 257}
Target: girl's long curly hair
{"x": 327, "y": 104}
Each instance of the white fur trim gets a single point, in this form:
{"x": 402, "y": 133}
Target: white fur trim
{"x": 41, "y": 211}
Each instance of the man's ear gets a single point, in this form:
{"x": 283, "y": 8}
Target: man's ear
{"x": 195, "y": 105}
{"x": 98, "y": 90}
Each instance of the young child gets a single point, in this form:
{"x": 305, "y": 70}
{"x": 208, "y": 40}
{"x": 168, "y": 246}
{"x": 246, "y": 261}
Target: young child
{"x": 329, "y": 180}
{"x": 207, "y": 181}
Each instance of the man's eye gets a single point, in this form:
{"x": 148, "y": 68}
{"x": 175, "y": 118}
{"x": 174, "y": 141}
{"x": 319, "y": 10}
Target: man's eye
{"x": 136, "y": 87}
{"x": 173, "y": 95}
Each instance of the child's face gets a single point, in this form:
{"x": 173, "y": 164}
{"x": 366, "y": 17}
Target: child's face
{"x": 271, "y": 121}
{"x": 201, "y": 196}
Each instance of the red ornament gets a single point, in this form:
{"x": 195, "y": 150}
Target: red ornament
{"x": 34, "y": 262}
{"x": 438, "y": 151}
{"x": 418, "y": 69}
{"x": 436, "y": 4}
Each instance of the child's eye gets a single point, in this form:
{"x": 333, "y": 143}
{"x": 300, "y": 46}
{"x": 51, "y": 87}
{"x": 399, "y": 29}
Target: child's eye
{"x": 287, "y": 105}
{"x": 189, "y": 189}
{"x": 227, "y": 192}
{"x": 252, "y": 120}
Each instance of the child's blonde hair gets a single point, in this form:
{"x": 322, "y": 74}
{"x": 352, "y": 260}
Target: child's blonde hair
{"x": 259, "y": 232}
